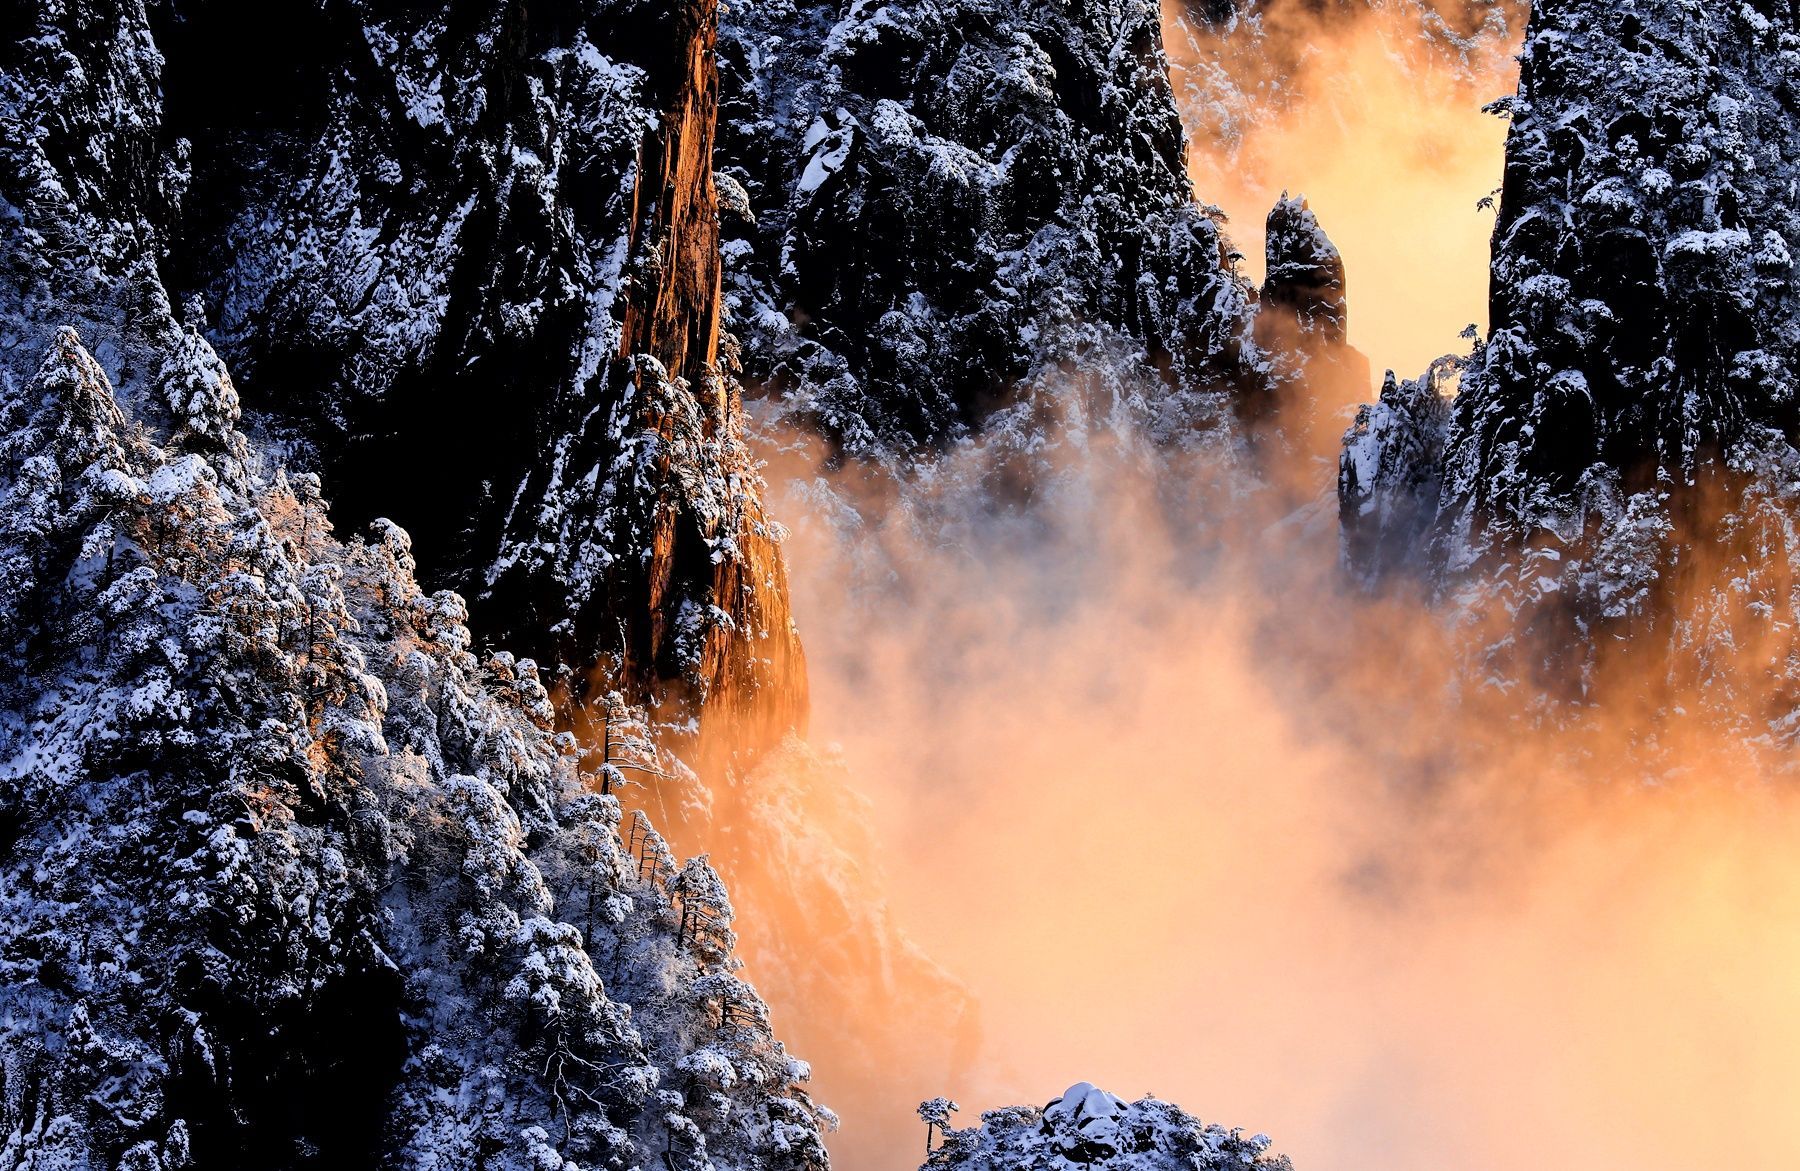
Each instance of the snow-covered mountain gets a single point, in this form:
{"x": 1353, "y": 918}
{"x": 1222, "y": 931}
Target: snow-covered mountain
{"x": 291, "y": 876}
{"x": 294, "y": 877}
{"x": 1619, "y": 458}
{"x": 306, "y": 861}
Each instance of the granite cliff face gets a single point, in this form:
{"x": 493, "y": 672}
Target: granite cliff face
{"x": 464, "y": 263}
{"x": 704, "y": 614}
{"x": 1619, "y": 458}
{"x": 1642, "y": 284}
{"x": 1305, "y": 274}
{"x": 953, "y": 198}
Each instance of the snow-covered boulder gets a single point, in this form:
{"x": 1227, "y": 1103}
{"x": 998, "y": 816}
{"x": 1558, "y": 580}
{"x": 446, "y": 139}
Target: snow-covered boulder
{"x": 1088, "y": 1129}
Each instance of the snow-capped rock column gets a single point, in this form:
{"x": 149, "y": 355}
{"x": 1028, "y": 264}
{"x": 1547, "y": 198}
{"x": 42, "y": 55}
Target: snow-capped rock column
{"x": 1303, "y": 322}
{"x": 672, "y": 302}
{"x": 1305, "y": 273}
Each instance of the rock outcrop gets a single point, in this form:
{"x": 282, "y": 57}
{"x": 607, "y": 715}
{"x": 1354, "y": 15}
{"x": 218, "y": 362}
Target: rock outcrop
{"x": 1305, "y": 273}
{"x": 292, "y": 878}
{"x": 1088, "y": 1127}
{"x": 1390, "y": 475}
{"x": 464, "y": 263}
{"x": 694, "y": 582}
{"x": 953, "y": 197}
{"x": 1303, "y": 324}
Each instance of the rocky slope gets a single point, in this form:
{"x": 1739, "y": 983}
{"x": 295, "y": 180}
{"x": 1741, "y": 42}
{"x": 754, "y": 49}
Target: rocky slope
{"x": 292, "y": 878}
{"x": 1088, "y": 1127}
{"x": 463, "y": 261}
{"x": 952, "y": 199}
{"x": 1620, "y": 455}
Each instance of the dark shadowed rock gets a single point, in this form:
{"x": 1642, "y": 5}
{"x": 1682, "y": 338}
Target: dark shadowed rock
{"x": 955, "y": 194}
{"x": 464, "y": 261}
{"x": 1627, "y": 429}
{"x": 1303, "y": 324}
{"x": 1305, "y": 272}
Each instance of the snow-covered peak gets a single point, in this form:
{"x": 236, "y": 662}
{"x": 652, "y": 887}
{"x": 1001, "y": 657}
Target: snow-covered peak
{"x": 1089, "y": 1129}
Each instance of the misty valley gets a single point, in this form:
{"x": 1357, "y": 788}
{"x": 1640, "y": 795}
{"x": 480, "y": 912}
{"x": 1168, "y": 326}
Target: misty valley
{"x": 998, "y": 585}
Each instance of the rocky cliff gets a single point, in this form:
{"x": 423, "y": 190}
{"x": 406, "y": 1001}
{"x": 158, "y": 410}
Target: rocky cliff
{"x": 464, "y": 263}
{"x": 1641, "y": 298}
{"x": 291, "y": 877}
{"x": 1620, "y": 453}
{"x": 951, "y": 198}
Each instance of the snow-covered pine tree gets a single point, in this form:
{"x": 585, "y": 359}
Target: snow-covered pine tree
{"x": 289, "y": 877}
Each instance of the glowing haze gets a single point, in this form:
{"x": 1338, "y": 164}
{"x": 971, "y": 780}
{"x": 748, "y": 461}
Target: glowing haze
{"x": 1190, "y": 818}
{"x": 1201, "y": 823}
{"x": 1373, "y": 112}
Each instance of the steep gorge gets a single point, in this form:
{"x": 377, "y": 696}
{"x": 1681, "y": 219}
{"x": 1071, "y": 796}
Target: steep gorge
{"x": 1308, "y": 856}
{"x": 508, "y": 274}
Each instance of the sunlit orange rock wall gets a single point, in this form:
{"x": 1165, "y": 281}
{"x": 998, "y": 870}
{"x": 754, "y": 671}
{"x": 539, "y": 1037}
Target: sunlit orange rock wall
{"x": 747, "y": 669}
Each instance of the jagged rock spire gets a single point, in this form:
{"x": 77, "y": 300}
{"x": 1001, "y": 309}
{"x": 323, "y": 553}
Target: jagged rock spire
{"x": 1305, "y": 272}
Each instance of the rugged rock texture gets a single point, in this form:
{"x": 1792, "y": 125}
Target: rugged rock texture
{"x": 1303, "y": 323}
{"x": 290, "y": 878}
{"x": 1390, "y": 475}
{"x": 672, "y": 306}
{"x": 1642, "y": 305}
{"x": 705, "y": 612}
{"x": 1305, "y": 273}
{"x": 954, "y": 196}
{"x": 1088, "y": 1127}
{"x": 408, "y": 231}
{"x": 1620, "y": 455}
